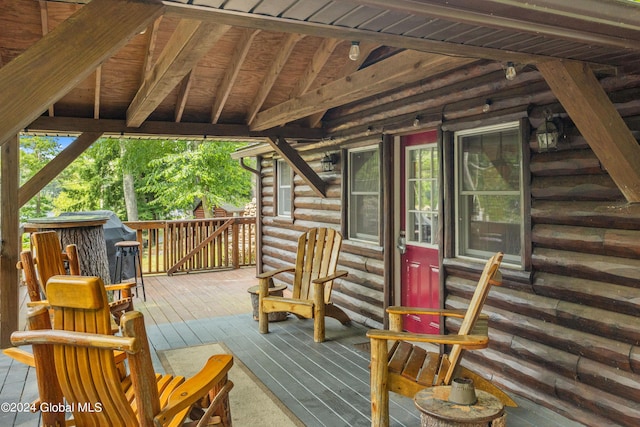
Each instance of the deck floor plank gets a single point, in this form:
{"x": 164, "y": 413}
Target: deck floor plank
{"x": 323, "y": 384}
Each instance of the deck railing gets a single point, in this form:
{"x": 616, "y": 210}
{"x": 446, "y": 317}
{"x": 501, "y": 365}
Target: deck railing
{"x": 196, "y": 245}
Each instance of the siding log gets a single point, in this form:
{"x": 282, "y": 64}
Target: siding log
{"x": 580, "y": 162}
{"x": 621, "y": 271}
{"x": 588, "y": 187}
{"x": 618, "y": 214}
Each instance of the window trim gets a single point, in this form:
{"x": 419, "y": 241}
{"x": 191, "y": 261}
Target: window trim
{"x": 277, "y": 186}
{"x": 521, "y": 261}
{"x": 376, "y": 240}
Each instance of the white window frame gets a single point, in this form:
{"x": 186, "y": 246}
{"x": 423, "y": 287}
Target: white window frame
{"x": 283, "y": 204}
{"x": 351, "y": 227}
{"x": 433, "y": 213}
{"x": 461, "y": 226}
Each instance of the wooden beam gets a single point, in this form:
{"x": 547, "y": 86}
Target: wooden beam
{"x": 66, "y": 56}
{"x": 183, "y": 95}
{"x": 9, "y": 224}
{"x": 111, "y": 127}
{"x": 152, "y": 36}
{"x": 232, "y": 71}
{"x": 278, "y": 63}
{"x": 349, "y": 67}
{"x": 97, "y": 92}
{"x": 55, "y": 166}
{"x": 44, "y": 20}
{"x": 320, "y": 58}
{"x": 298, "y": 164}
{"x": 190, "y": 41}
{"x": 597, "y": 119}
{"x": 403, "y": 68}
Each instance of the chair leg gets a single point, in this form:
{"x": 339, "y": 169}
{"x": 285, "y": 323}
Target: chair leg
{"x": 379, "y": 384}
{"x": 263, "y": 318}
{"x": 318, "y": 322}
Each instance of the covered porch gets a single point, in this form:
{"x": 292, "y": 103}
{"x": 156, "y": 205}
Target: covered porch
{"x": 320, "y": 384}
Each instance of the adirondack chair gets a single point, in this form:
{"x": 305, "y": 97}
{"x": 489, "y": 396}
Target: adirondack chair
{"x": 406, "y": 369}
{"x": 314, "y": 273}
{"x": 75, "y": 362}
{"x": 50, "y": 261}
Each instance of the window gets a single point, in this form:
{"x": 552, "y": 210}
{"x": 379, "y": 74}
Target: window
{"x": 364, "y": 194}
{"x": 283, "y": 197}
{"x": 489, "y": 203}
{"x": 421, "y": 194}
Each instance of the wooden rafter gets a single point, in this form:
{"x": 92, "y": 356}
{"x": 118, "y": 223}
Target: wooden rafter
{"x": 55, "y": 166}
{"x": 44, "y": 19}
{"x": 96, "y": 94}
{"x": 233, "y": 69}
{"x": 152, "y": 36}
{"x": 277, "y": 65}
{"x": 597, "y": 119}
{"x": 183, "y": 95}
{"x": 403, "y": 68}
{"x": 320, "y": 58}
{"x": 65, "y": 56}
{"x": 190, "y": 41}
{"x": 299, "y": 165}
{"x": 349, "y": 67}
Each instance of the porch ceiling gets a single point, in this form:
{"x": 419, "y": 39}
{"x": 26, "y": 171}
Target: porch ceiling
{"x": 251, "y": 69}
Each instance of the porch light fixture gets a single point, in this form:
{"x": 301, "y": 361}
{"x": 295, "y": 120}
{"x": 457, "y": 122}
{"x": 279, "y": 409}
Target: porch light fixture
{"x": 487, "y": 106}
{"x": 328, "y": 161}
{"x": 416, "y": 122}
{"x": 547, "y": 134}
{"x": 354, "y": 51}
{"x": 510, "y": 71}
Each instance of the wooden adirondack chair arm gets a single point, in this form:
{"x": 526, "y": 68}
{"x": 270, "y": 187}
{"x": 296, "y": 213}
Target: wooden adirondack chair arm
{"x": 272, "y": 273}
{"x": 446, "y": 312}
{"x": 41, "y": 303}
{"x": 20, "y": 355}
{"x": 337, "y": 274}
{"x": 120, "y": 286}
{"x": 470, "y": 342}
{"x": 79, "y": 339}
{"x": 194, "y": 388}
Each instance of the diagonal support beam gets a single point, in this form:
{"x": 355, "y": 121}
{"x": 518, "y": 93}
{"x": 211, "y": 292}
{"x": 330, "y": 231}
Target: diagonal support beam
{"x": 66, "y": 56}
{"x": 298, "y": 164}
{"x": 597, "y": 119}
{"x": 401, "y": 69}
{"x": 190, "y": 41}
{"x": 55, "y": 166}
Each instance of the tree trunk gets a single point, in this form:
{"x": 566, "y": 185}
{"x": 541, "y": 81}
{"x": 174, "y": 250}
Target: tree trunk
{"x": 128, "y": 187}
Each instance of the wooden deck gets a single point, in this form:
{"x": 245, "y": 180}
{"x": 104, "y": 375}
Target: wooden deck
{"x": 323, "y": 384}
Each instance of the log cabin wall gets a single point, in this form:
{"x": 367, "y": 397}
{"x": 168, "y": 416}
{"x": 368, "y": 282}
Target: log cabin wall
{"x": 566, "y": 332}
{"x": 361, "y": 293}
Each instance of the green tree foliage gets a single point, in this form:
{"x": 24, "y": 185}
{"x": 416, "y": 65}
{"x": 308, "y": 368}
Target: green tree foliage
{"x": 201, "y": 170}
{"x": 169, "y": 177}
{"x": 35, "y": 152}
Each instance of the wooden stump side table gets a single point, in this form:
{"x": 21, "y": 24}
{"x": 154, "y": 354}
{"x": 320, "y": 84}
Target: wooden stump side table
{"x": 277, "y": 290}
{"x": 437, "y": 411}
{"x": 87, "y": 233}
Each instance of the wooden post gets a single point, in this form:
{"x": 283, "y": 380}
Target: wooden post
{"x": 235, "y": 254}
{"x": 379, "y": 384}
{"x": 9, "y": 223}
{"x": 319, "y": 310}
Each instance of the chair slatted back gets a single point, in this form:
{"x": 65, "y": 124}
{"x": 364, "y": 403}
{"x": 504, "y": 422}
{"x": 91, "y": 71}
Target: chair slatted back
{"x": 48, "y": 255}
{"x": 317, "y": 256}
{"x": 490, "y": 276}
{"x": 87, "y": 375}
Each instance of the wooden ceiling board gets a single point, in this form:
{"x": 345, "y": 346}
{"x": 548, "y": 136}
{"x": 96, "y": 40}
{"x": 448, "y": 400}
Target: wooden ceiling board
{"x": 20, "y": 26}
{"x": 241, "y": 5}
{"x": 405, "y": 25}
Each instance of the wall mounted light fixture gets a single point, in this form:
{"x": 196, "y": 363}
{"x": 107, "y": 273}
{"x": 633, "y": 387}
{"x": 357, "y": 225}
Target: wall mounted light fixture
{"x": 547, "y": 134}
{"x": 354, "y": 51}
{"x": 487, "y": 106}
{"x": 328, "y": 161}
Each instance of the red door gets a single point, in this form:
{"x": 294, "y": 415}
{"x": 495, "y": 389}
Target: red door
{"x": 420, "y": 284}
